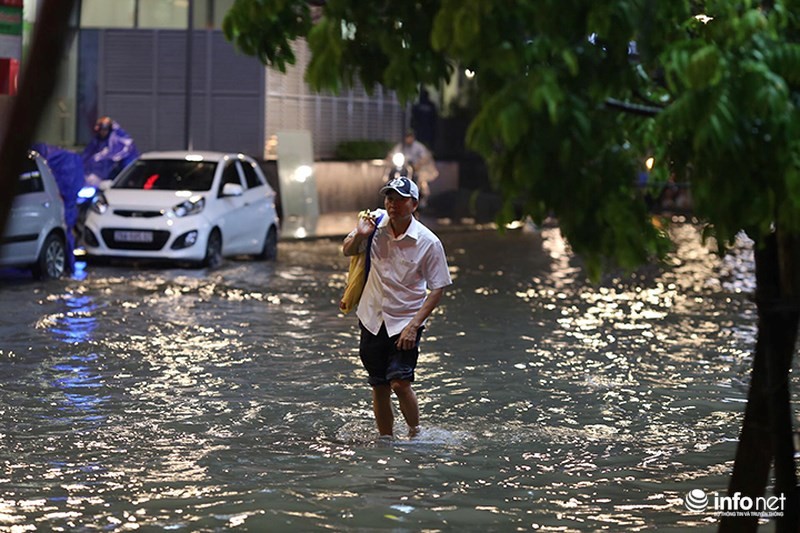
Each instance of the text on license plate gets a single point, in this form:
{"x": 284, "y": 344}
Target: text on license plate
{"x": 133, "y": 236}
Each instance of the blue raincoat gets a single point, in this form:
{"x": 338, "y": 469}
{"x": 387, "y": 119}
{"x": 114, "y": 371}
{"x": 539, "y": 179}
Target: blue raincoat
{"x": 104, "y": 158}
{"x": 67, "y": 169}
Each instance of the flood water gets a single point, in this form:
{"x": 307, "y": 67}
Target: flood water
{"x": 188, "y": 400}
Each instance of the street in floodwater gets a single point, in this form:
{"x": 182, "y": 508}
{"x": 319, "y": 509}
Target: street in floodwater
{"x": 189, "y": 400}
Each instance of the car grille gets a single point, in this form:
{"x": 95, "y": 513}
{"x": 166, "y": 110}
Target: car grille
{"x": 136, "y": 213}
{"x": 160, "y": 238}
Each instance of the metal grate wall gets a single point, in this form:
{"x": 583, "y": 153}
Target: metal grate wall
{"x": 353, "y": 115}
{"x": 237, "y": 104}
{"x": 141, "y": 80}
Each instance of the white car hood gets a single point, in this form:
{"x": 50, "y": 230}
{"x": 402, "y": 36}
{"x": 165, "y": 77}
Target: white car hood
{"x": 148, "y": 200}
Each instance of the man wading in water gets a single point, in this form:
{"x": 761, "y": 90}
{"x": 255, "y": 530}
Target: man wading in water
{"x": 407, "y": 261}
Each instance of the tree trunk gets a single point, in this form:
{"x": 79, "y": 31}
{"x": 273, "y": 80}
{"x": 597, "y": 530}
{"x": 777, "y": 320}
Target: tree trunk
{"x": 767, "y": 435}
{"x": 36, "y": 87}
{"x": 786, "y": 316}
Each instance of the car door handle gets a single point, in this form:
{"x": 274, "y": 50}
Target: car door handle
{"x": 46, "y": 204}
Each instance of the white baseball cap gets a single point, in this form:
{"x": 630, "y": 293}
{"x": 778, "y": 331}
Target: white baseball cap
{"x": 403, "y": 187}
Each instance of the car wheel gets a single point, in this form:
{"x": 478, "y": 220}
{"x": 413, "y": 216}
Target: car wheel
{"x": 213, "y": 257}
{"x": 270, "y": 250}
{"x": 52, "y": 260}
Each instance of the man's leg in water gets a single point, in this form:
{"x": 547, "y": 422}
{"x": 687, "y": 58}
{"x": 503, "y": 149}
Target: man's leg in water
{"x": 382, "y": 407}
{"x": 408, "y": 404}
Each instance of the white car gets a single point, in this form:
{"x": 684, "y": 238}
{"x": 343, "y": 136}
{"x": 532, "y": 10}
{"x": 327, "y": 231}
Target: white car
{"x": 193, "y": 207}
{"x": 35, "y": 233}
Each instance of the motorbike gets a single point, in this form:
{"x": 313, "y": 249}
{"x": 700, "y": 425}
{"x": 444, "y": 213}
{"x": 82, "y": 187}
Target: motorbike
{"x": 400, "y": 168}
{"x": 87, "y": 195}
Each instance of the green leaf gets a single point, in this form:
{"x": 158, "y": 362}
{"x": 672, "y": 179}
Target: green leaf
{"x": 571, "y": 61}
{"x": 703, "y": 68}
{"x": 466, "y": 27}
{"x": 512, "y": 123}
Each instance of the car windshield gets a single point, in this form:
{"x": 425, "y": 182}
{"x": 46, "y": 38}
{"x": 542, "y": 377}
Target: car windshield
{"x": 30, "y": 180}
{"x": 168, "y": 175}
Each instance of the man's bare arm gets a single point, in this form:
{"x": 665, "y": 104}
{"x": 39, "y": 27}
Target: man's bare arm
{"x": 408, "y": 337}
{"x": 364, "y": 228}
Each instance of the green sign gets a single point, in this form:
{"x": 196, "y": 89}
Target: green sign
{"x": 10, "y": 20}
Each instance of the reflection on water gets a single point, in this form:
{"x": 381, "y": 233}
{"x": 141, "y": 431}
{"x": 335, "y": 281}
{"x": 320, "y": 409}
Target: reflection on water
{"x": 195, "y": 400}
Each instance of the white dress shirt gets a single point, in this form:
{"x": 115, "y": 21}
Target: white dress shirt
{"x": 402, "y": 269}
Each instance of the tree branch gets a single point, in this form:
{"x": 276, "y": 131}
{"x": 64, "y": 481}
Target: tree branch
{"x": 634, "y": 109}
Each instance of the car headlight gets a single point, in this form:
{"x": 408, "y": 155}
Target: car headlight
{"x": 99, "y": 204}
{"x": 86, "y": 194}
{"x": 192, "y": 206}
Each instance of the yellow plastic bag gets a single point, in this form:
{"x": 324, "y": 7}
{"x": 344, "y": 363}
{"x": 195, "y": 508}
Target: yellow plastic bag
{"x": 356, "y": 279}
{"x": 358, "y": 272}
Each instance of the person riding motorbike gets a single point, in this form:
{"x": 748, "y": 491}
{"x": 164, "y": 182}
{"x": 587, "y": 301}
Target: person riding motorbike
{"x": 416, "y": 158}
{"x": 109, "y": 151}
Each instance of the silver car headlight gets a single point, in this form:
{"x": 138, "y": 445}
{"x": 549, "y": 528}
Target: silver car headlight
{"x": 192, "y": 206}
{"x": 99, "y": 204}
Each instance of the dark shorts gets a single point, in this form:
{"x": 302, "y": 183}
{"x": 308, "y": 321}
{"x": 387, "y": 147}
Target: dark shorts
{"x": 382, "y": 359}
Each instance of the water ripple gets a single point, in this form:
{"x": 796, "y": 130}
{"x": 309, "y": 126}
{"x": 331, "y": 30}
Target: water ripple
{"x": 206, "y": 401}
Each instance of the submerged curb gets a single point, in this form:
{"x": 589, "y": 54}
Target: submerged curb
{"x": 338, "y": 225}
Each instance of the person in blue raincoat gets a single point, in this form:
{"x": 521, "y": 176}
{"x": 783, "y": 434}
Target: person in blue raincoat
{"x": 109, "y": 151}
{"x": 67, "y": 169}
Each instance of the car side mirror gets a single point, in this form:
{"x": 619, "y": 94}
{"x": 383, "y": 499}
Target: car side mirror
{"x": 232, "y": 189}
{"x": 105, "y": 185}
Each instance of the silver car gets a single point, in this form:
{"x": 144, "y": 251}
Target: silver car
{"x": 35, "y": 232}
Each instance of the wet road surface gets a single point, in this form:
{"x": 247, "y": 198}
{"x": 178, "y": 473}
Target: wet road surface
{"x": 189, "y": 400}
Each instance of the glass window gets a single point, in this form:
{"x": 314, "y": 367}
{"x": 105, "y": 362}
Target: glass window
{"x": 221, "y": 8}
{"x": 250, "y": 175}
{"x": 105, "y": 14}
{"x": 229, "y": 175}
{"x": 167, "y": 175}
{"x": 163, "y": 13}
{"x": 202, "y": 14}
{"x": 153, "y": 13}
{"x": 30, "y": 180}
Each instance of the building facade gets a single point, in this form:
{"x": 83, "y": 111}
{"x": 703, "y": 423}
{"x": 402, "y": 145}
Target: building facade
{"x": 175, "y": 84}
